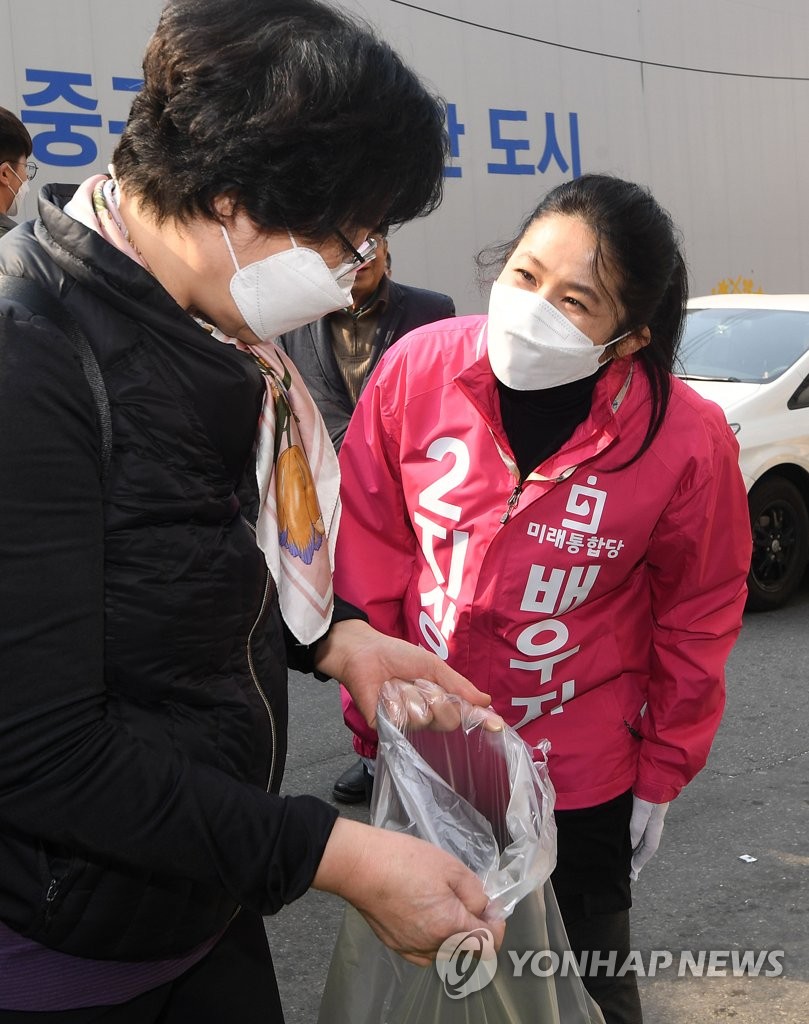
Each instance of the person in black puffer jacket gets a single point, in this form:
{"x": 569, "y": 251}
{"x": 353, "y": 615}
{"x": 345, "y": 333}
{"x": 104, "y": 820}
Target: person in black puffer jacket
{"x": 146, "y": 616}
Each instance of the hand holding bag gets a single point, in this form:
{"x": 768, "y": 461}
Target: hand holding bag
{"x": 478, "y": 794}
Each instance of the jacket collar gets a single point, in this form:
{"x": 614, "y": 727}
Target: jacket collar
{"x": 598, "y": 431}
{"x": 101, "y": 268}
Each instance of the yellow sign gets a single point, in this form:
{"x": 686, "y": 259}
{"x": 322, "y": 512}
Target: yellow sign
{"x": 737, "y": 286}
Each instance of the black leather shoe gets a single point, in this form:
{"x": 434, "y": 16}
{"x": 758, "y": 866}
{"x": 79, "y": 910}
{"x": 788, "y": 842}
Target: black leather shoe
{"x": 354, "y": 785}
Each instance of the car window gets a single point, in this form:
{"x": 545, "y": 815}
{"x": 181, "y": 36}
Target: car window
{"x": 751, "y": 345}
{"x": 800, "y": 400}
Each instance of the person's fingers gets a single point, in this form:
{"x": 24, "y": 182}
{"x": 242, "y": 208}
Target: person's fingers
{"x": 420, "y": 709}
{"x": 641, "y": 812}
{"x": 417, "y": 959}
{"x": 498, "y": 930}
{"x": 492, "y": 722}
{"x": 408, "y": 706}
{"x": 424, "y": 703}
{"x": 454, "y": 682}
{"x": 645, "y": 831}
{"x": 445, "y": 714}
{"x": 643, "y": 853}
{"x": 639, "y": 859}
{"x": 469, "y": 890}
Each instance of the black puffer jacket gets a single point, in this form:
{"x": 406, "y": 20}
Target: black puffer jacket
{"x": 142, "y": 658}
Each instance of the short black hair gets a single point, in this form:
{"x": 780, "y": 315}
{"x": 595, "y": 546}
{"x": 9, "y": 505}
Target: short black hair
{"x": 298, "y": 112}
{"x": 15, "y": 142}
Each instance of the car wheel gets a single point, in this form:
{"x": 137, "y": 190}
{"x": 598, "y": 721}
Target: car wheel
{"x": 780, "y": 524}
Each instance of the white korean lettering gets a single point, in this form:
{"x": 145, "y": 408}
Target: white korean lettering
{"x": 430, "y": 533}
{"x": 431, "y": 498}
{"x": 568, "y": 693}
{"x": 434, "y": 598}
{"x": 460, "y": 543}
{"x": 543, "y": 653}
{"x": 560, "y": 591}
{"x": 535, "y": 706}
{"x": 541, "y": 595}
{"x": 448, "y": 624}
{"x": 432, "y": 636}
{"x": 580, "y": 582}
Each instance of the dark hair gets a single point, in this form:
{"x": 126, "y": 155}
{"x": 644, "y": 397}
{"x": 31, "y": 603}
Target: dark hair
{"x": 298, "y": 112}
{"x": 15, "y": 142}
{"x": 636, "y": 237}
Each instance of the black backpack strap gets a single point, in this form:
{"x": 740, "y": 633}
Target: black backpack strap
{"x": 35, "y": 298}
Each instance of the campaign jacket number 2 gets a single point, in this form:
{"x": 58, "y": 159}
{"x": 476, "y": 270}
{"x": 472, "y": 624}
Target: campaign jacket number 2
{"x": 596, "y": 602}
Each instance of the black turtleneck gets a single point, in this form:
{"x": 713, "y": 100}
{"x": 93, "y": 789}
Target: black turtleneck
{"x": 537, "y": 423}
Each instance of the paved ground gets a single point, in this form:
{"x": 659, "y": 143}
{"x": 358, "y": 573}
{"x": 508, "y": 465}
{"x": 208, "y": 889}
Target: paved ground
{"x": 696, "y": 894}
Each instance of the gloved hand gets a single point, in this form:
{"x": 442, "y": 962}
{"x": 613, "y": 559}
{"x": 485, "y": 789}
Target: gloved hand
{"x": 645, "y": 829}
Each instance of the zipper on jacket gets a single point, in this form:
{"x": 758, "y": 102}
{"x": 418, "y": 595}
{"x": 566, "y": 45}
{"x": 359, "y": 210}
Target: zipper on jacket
{"x": 261, "y": 694}
{"x": 633, "y": 732}
{"x": 50, "y": 898}
{"x": 511, "y": 504}
{"x": 252, "y": 667}
{"x": 257, "y": 684}
{"x": 254, "y": 676}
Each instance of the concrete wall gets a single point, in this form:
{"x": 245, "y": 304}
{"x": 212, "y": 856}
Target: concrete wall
{"x": 706, "y": 101}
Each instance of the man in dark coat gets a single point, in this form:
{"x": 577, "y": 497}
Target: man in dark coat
{"x": 336, "y": 356}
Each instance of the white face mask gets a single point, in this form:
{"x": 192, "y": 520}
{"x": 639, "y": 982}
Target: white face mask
{"x": 287, "y": 290}
{"x": 532, "y": 346}
{"x": 19, "y": 195}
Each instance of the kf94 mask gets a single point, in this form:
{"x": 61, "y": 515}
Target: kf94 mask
{"x": 19, "y": 195}
{"x": 532, "y": 346}
{"x": 287, "y": 290}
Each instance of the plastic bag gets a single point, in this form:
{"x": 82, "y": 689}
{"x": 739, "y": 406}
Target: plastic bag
{"x": 477, "y": 794}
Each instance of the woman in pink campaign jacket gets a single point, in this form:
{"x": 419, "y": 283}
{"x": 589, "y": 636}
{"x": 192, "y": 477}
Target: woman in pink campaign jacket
{"x": 533, "y": 496}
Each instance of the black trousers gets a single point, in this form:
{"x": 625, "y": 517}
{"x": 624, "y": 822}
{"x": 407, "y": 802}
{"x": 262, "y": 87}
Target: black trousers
{"x": 235, "y": 982}
{"x": 591, "y": 882}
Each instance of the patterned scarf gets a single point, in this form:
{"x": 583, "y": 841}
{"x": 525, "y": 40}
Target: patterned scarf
{"x": 296, "y": 466}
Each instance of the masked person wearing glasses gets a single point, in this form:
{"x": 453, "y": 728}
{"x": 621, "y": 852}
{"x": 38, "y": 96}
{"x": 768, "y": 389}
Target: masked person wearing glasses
{"x": 337, "y": 354}
{"x": 533, "y": 496}
{"x": 16, "y": 167}
{"x": 152, "y": 597}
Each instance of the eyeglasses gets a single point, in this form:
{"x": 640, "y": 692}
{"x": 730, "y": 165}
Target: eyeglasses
{"x": 361, "y": 257}
{"x": 31, "y": 169}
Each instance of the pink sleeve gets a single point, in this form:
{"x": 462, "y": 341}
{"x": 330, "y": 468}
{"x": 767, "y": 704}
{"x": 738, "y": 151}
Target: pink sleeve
{"x": 375, "y": 546}
{"x": 698, "y": 559}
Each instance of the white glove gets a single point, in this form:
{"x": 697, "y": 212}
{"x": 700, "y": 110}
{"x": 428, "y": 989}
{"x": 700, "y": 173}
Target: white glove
{"x": 645, "y": 829}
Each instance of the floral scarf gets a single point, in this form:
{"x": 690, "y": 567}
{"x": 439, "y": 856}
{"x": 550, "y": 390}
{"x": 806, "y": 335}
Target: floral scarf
{"x": 296, "y": 465}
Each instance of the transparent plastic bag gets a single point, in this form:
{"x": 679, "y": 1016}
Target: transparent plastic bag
{"x": 476, "y": 793}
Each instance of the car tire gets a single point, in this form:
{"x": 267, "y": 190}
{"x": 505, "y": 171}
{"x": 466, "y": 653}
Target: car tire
{"x": 780, "y": 525}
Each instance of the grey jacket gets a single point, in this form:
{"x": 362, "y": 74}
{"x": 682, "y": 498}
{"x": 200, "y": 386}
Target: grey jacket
{"x": 6, "y": 224}
{"x": 310, "y": 349}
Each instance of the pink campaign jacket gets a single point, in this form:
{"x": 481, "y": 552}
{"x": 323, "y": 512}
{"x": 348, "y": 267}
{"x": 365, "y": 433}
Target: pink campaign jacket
{"x": 597, "y": 605}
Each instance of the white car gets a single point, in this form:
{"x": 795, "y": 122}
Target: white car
{"x": 750, "y": 355}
